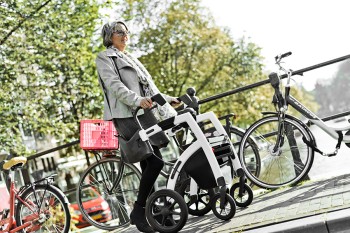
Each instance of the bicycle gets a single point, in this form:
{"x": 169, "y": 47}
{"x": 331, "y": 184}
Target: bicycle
{"x": 108, "y": 180}
{"x": 35, "y": 207}
{"x": 286, "y": 144}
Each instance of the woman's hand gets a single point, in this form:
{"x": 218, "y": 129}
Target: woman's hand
{"x": 146, "y": 103}
{"x": 174, "y": 102}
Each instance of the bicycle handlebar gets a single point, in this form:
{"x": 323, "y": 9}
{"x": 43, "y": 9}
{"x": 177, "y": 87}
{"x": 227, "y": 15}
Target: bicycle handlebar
{"x": 279, "y": 57}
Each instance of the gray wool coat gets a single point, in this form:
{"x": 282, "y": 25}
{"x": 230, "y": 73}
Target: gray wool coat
{"x": 123, "y": 94}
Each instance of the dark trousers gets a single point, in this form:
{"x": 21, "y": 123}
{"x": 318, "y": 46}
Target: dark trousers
{"x": 151, "y": 166}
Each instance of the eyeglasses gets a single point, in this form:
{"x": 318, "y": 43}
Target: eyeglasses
{"x": 121, "y": 33}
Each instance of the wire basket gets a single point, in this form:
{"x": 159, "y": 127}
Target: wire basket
{"x": 98, "y": 135}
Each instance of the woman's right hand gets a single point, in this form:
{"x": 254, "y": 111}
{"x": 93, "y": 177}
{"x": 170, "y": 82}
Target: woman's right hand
{"x": 146, "y": 103}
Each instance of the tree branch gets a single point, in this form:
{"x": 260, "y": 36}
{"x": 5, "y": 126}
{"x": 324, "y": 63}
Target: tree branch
{"x": 22, "y": 21}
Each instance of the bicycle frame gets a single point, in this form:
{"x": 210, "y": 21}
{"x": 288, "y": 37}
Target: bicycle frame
{"x": 283, "y": 101}
{"x": 332, "y": 131}
{"x": 14, "y": 194}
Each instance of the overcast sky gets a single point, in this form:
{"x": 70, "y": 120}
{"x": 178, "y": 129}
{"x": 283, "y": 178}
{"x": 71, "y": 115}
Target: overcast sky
{"x": 313, "y": 30}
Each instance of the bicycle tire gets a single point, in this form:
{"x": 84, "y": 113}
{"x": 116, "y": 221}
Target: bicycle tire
{"x": 58, "y": 213}
{"x": 255, "y": 160}
{"x": 113, "y": 183}
{"x": 285, "y": 167}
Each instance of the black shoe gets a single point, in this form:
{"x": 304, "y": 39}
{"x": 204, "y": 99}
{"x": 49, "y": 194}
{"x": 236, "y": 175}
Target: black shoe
{"x": 138, "y": 218}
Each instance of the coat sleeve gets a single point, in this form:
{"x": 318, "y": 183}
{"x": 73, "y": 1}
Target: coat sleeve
{"x": 112, "y": 82}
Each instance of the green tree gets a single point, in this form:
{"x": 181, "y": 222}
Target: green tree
{"x": 47, "y": 68}
{"x": 48, "y": 75}
{"x": 182, "y": 46}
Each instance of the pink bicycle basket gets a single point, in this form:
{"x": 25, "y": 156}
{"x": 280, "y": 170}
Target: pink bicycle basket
{"x": 98, "y": 135}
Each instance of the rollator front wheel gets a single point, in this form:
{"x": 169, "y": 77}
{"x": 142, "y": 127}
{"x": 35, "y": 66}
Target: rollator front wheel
{"x": 229, "y": 209}
{"x": 166, "y": 211}
{"x": 243, "y": 198}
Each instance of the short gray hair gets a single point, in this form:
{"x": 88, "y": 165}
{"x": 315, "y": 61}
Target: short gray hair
{"x": 107, "y": 32}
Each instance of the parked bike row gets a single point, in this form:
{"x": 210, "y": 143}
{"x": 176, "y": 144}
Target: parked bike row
{"x": 275, "y": 151}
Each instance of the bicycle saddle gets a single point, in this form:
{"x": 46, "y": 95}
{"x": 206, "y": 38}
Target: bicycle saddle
{"x": 20, "y": 161}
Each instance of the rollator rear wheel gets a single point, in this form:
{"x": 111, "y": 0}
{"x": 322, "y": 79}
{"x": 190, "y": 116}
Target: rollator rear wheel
{"x": 244, "y": 198}
{"x": 166, "y": 211}
{"x": 229, "y": 209}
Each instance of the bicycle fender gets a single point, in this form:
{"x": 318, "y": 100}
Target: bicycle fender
{"x": 62, "y": 194}
{"x": 52, "y": 186}
{"x": 312, "y": 138}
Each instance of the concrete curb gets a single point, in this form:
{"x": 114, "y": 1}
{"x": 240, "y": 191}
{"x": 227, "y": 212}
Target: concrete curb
{"x": 331, "y": 222}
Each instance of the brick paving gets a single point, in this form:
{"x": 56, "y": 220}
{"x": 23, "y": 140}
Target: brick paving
{"x": 311, "y": 198}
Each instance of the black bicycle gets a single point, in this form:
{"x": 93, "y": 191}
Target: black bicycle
{"x": 286, "y": 144}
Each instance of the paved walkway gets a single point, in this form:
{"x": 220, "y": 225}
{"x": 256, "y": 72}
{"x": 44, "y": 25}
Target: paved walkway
{"x": 312, "y": 206}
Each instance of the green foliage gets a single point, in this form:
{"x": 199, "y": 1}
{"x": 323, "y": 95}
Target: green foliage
{"x": 187, "y": 49}
{"x": 48, "y": 74}
{"x": 47, "y": 68}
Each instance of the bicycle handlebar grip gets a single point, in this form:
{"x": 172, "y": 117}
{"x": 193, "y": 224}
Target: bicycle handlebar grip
{"x": 283, "y": 55}
{"x": 286, "y": 54}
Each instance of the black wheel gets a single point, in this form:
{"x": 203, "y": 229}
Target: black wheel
{"x": 51, "y": 205}
{"x": 285, "y": 165}
{"x": 229, "y": 209}
{"x": 202, "y": 205}
{"x": 166, "y": 211}
{"x": 106, "y": 193}
{"x": 244, "y": 198}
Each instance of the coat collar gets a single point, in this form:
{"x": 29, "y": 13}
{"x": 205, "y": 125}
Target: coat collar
{"x": 112, "y": 53}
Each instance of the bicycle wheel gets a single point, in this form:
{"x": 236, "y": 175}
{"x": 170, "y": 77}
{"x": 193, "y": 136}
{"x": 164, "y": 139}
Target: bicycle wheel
{"x": 254, "y": 161}
{"x": 106, "y": 193}
{"x": 288, "y": 165}
{"x": 50, "y": 203}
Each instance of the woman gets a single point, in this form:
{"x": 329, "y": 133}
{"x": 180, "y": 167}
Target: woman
{"x": 127, "y": 85}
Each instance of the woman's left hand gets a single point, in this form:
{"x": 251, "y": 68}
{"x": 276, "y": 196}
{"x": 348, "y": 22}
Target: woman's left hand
{"x": 174, "y": 101}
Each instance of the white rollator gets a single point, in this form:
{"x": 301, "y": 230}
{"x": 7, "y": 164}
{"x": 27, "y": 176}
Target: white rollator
{"x": 166, "y": 210}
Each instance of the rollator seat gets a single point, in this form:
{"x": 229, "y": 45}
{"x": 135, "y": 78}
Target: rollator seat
{"x": 169, "y": 123}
